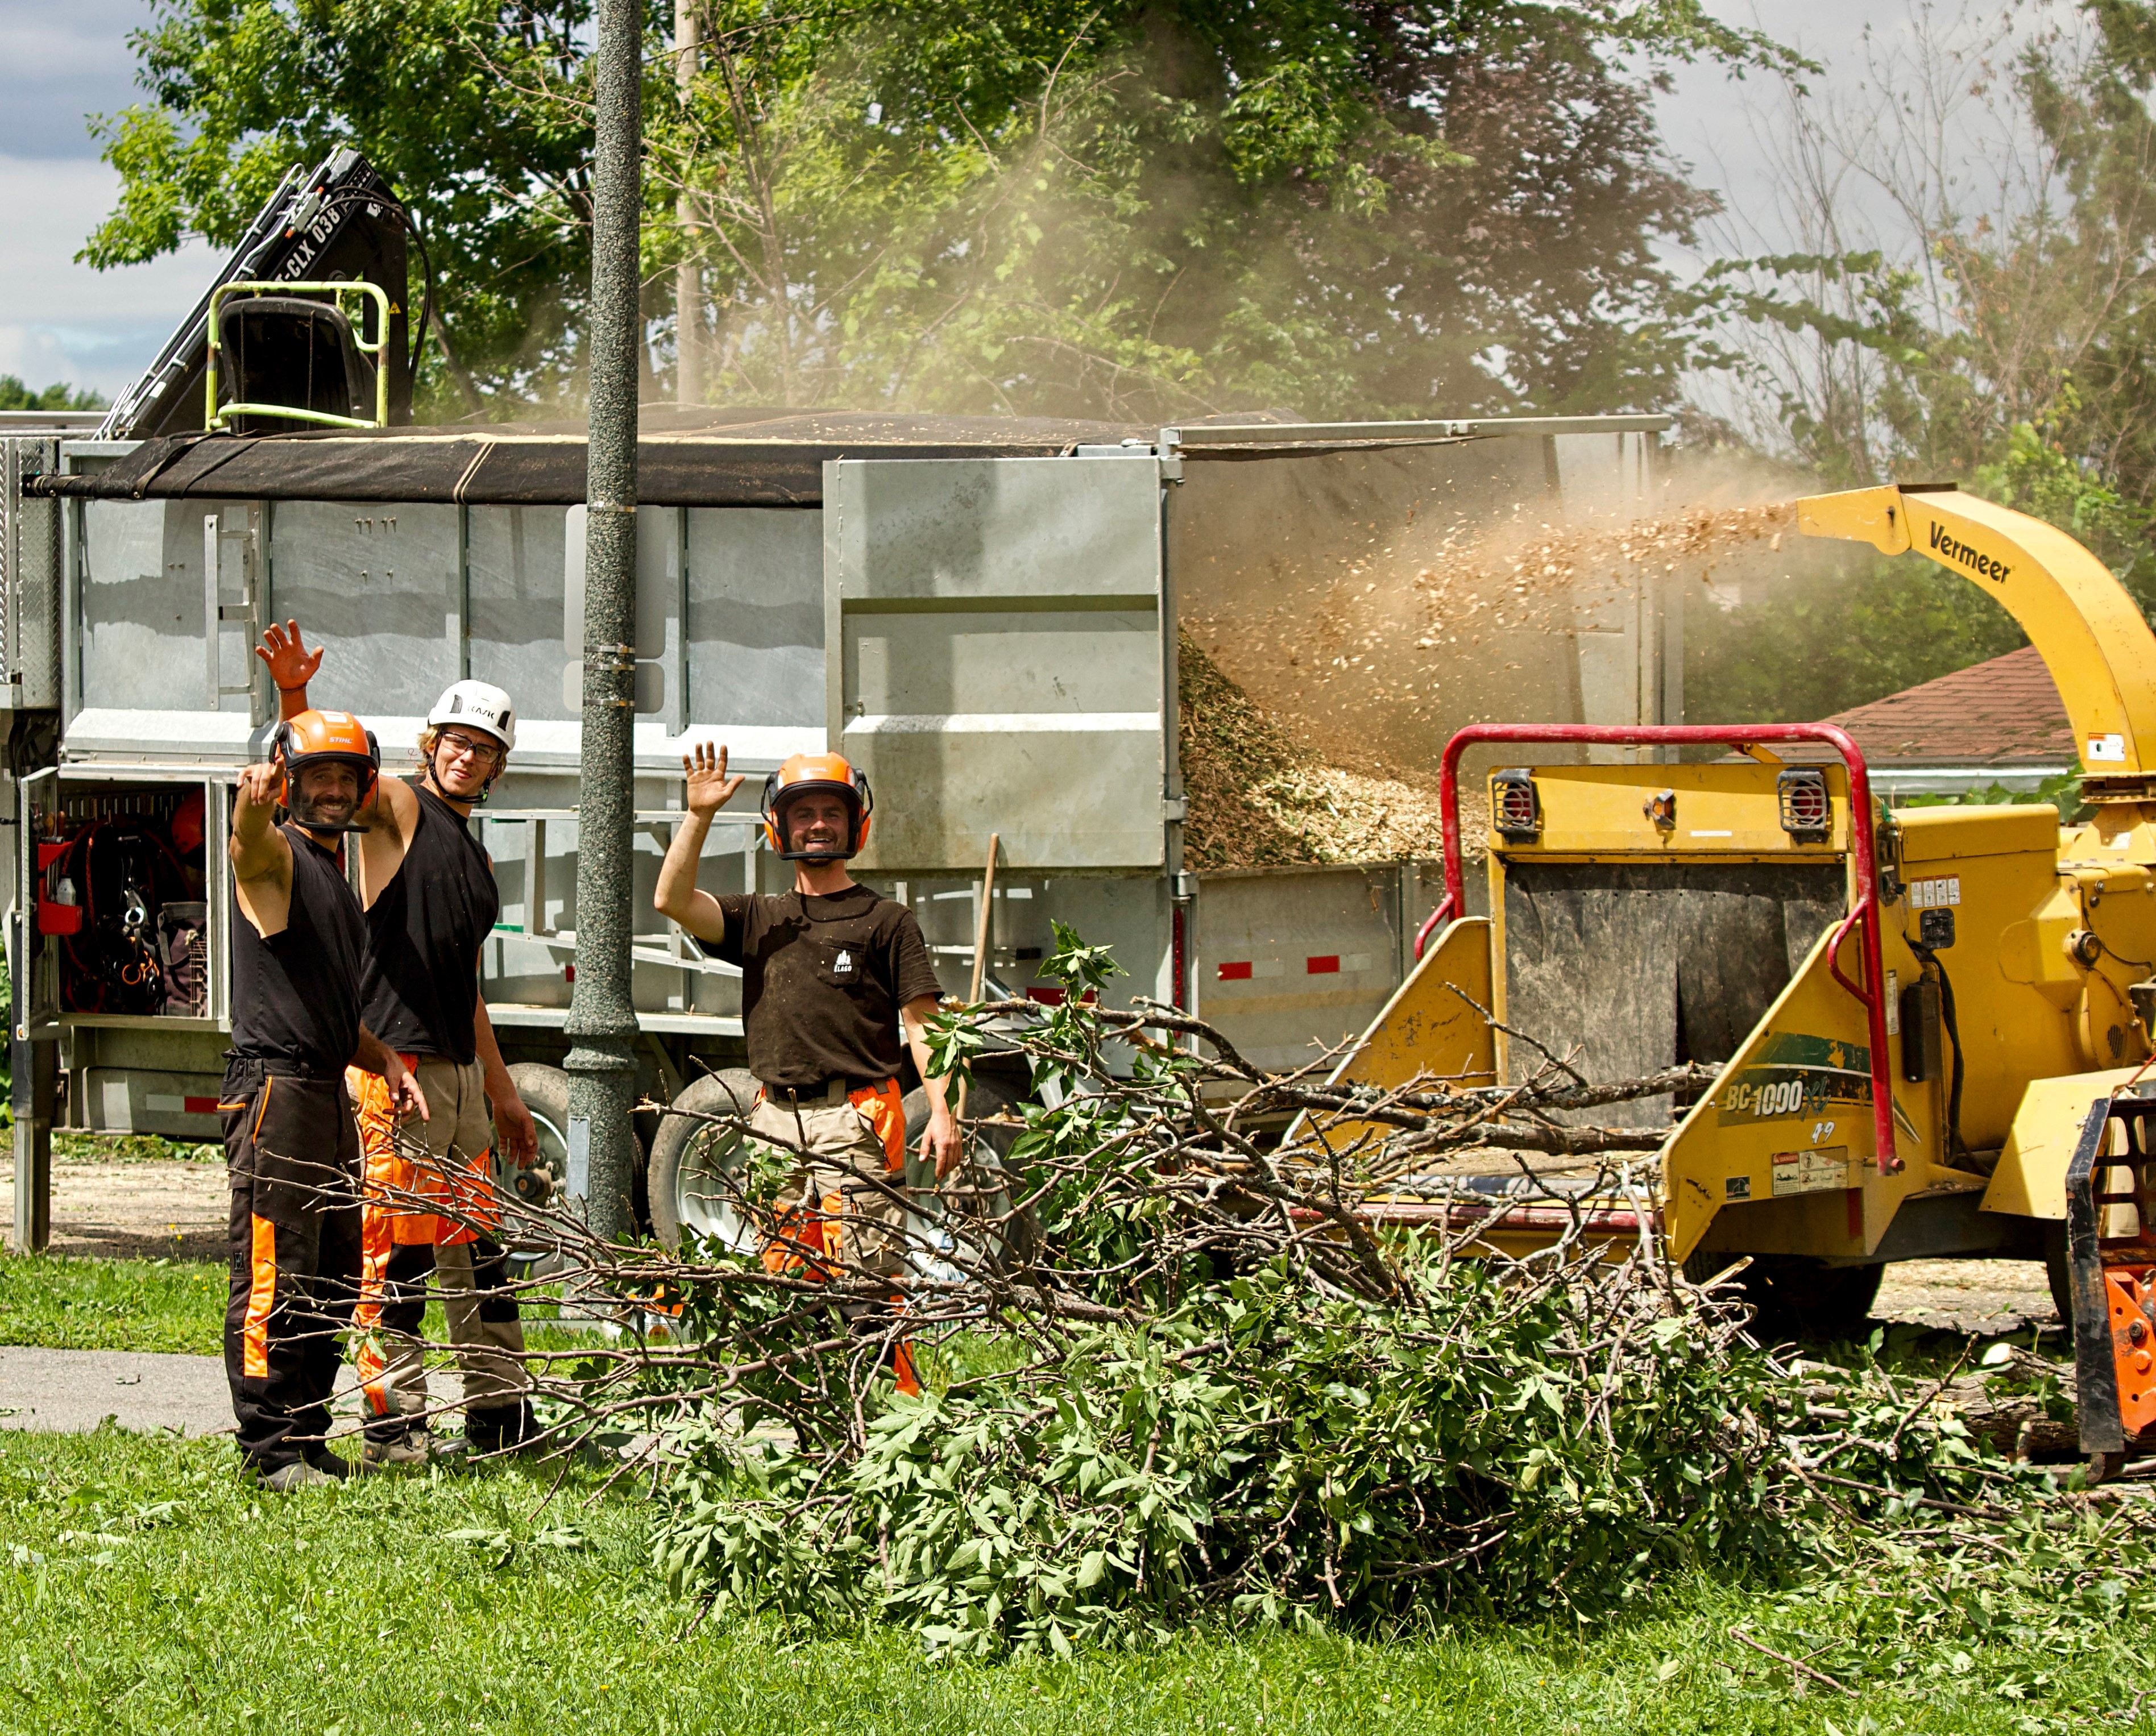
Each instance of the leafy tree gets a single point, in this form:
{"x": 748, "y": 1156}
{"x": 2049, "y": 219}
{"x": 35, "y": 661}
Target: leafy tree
{"x": 1116, "y": 208}
{"x": 438, "y": 94}
{"x": 14, "y": 395}
{"x": 2007, "y": 349}
{"x": 1156, "y": 212}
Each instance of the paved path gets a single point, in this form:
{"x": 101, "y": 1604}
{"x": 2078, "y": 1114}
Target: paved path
{"x": 74, "y": 1390}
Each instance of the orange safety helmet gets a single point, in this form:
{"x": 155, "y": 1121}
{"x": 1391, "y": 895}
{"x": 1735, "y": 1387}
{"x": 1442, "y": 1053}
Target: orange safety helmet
{"x": 799, "y": 776}
{"x": 334, "y": 738}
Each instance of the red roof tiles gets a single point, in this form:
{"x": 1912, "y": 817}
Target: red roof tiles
{"x": 2004, "y": 712}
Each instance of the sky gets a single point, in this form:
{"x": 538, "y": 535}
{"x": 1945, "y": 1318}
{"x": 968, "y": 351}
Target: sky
{"x": 63, "y": 321}
{"x": 59, "y": 320}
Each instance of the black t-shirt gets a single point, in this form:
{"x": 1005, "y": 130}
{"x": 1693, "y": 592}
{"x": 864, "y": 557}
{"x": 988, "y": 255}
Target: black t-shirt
{"x": 822, "y": 981}
{"x": 418, "y": 989}
{"x": 295, "y": 996}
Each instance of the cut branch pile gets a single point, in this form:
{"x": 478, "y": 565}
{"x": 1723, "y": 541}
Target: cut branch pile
{"x": 1178, "y": 1363}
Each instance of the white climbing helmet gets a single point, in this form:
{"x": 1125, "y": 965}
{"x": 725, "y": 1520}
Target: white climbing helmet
{"x": 477, "y": 705}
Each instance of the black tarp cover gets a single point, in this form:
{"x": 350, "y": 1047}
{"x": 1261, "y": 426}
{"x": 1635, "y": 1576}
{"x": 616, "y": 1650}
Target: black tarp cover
{"x": 691, "y": 458}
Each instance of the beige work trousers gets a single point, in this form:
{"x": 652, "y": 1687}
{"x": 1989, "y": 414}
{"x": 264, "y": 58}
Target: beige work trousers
{"x": 446, "y": 1159}
{"x": 830, "y": 1204}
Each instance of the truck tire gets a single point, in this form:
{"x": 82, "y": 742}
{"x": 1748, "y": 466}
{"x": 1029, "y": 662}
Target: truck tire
{"x": 990, "y": 1094}
{"x": 545, "y": 1092}
{"x": 1796, "y": 1298}
{"x": 690, "y": 1156}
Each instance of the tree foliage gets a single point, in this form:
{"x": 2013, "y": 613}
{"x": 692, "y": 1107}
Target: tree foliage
{"x": 1145, "y": 211}
{"x": 14, "y": 395}
{"x": 1264, "y": 1425}
{"x": 1129, "y": 209}
{"x": 2004, "y": 344}
{"x": 441, "y": 96}
{"x": 1177, "y": 1370}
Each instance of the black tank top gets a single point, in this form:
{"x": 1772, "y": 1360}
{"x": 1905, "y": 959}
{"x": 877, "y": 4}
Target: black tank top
{"x": 420, "y": 982}
{"x": 295, "y": 996}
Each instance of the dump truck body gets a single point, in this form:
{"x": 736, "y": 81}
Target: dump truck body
{"x": 984, "y": 613}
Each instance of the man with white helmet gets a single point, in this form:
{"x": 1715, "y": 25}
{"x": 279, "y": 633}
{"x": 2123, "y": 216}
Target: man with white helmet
{"x": 428, "y": 893}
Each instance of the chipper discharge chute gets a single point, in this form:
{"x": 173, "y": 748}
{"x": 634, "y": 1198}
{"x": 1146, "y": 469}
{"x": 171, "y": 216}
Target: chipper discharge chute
{"x": 1929, "y": 1025}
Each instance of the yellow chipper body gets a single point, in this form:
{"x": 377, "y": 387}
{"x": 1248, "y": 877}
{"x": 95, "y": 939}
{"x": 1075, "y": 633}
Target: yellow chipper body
{"x": 1930, "y": 1024}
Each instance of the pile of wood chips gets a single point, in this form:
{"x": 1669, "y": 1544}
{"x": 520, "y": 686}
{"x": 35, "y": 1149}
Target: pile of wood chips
{"x": 1259, "y": 800}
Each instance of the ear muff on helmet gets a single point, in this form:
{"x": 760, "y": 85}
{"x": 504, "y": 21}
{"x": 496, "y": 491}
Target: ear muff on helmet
{"x": 323, "y": 738}
{"x": 804, "y": 774}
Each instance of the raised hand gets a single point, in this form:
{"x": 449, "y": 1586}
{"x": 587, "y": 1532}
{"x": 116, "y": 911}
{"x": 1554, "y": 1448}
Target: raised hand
{"x": 292, "y": 666}
{"x": 710, "y": 788}
{"x": 259, "y": 785}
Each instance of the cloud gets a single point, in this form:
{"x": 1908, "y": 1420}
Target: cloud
{"x": 83, "y": 64}
{"x": 62, "y": 321}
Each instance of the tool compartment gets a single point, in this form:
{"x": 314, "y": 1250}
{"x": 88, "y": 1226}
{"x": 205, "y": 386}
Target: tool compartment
{"x": 121, "y": 899}
{"x": 122, "y": 943}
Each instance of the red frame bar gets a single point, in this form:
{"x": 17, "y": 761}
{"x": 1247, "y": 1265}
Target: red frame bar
{"x": 1864, "y": 917}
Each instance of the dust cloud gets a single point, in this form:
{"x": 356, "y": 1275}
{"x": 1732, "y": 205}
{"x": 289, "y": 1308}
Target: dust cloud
{"x": 1372, "y": 668}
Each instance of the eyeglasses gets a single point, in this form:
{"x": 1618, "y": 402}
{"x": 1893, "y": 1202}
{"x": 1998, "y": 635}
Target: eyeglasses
{"x": 461, "y": 746}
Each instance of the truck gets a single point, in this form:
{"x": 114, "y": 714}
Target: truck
{"x": 981, "y": 613}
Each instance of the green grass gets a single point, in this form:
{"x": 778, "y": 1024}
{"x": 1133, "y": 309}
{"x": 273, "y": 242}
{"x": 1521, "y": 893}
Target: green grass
{"x": 74, "y": 1305}
{"x": 143, "y": 1586}
{"x": 69, "y": 1304}
{"x": 85, "y": 1148}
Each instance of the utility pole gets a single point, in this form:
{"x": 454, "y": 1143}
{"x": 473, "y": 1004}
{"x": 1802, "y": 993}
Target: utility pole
{"x": 602, "y": 1023}
{"x": 689, "y": 274}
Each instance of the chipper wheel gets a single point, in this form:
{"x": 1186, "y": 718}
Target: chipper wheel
{"x": 1796, "y": 1298}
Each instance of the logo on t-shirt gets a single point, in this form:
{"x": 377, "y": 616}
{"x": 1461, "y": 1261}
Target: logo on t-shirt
{"x": 844, "y": 962}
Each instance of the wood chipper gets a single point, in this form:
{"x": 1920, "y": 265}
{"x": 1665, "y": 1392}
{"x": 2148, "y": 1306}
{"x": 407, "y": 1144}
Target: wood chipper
{"x": 1930, "y": 1024}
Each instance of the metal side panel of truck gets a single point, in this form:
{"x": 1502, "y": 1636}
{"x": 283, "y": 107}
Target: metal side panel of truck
{"x": 993, "y": 638}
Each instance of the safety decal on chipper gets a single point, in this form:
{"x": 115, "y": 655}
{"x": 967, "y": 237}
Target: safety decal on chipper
{"x": 1824, "y": 1170}
{"x": 1796, "y": 1075}
{"x": 1753, "y": 1156}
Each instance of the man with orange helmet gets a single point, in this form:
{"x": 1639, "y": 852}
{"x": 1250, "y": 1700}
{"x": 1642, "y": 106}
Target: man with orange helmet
{"x": 832, "y": 975}
{"x": 292, "y": 1153}
{"x": 428, "y": 892}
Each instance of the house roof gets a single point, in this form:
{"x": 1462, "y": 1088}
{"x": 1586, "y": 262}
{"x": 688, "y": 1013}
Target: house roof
{"x": 2006, "y": 712}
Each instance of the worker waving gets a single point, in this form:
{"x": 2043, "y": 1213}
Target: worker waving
{"x": 831, "y": 973}
{"x": 292, "y": 1155}
{"x": 431, "y": 900}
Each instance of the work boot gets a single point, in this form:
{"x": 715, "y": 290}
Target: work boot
{"x": 413, "y": 1450}
{"x": 297, "y": 1474}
